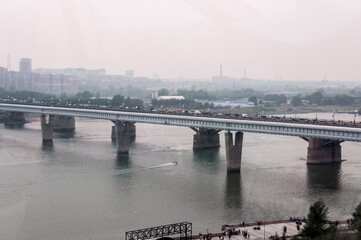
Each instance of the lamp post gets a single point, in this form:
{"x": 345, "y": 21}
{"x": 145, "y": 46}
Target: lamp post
{"x": 264, "y": 231}
{"x": 284, "y": 111}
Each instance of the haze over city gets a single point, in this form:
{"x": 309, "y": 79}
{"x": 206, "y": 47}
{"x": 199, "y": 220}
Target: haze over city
{"x": 284, "y": 39}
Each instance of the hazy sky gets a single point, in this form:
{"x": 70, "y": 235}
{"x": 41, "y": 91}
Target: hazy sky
{"x": 303, "y": 39}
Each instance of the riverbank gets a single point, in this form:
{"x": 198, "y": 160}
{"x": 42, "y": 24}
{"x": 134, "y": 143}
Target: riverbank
{"x": 266, "y": 230}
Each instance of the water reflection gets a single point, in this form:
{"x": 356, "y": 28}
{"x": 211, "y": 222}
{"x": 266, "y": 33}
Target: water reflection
{"x": 205, "y": 158}
{"x": 122, "y": 161}
{"x": 325, "y": 176}
{"x": 47, "y": 147}
{"x": 64, "y": 134}
{"x": 233, "y": 190}
{"x": 14, "y": 126}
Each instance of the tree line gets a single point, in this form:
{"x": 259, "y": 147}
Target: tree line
{"x": 318, "y": 226}
{"x": 319, "y": 99}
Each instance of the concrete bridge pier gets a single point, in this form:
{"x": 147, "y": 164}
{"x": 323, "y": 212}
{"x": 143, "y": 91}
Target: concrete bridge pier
{"x": 64, "y": 124}
{"x": 47, "y": 128}
{"x": 322, "y": 151}
{"x": 132, "y": 132}
{"x": 205, "y": 138}
{"x": 14, "y": 119}
{"x": 234, "y": 151}
{"x": 122, "y": 137}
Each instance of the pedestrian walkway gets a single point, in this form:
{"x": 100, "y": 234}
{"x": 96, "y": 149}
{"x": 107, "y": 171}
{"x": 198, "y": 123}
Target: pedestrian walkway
{"x": 267, "y": 229}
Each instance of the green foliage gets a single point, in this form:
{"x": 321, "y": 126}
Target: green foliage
{"x": 278, "y": 98}
{"x": 163, "y": 92}
{"x": 316, "y": 222}
{"x": 356, "y": 221}
{"x": 296, "y": 101}
{"x": 128, "y": 102}
{"x": 253, "y": 99}
{"x": 200, "y": 94}
{"x": 86, "y": 95}
{"x": 343, "y": 100}
{"x": 315, "y": 98}
{"x": 117, "y": 100}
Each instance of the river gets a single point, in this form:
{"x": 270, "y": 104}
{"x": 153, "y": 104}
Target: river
{"x": 79, "y": 189}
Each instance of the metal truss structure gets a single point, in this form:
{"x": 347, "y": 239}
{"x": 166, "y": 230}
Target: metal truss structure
{"x": 184, "y": 229}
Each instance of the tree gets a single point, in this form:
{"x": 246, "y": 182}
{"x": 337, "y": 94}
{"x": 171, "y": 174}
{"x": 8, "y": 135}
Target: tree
{"x": 277, "y": 98}
{"x": 63, "y": 96}
{"x": 315, "y": 97}
{"x": 296, "y": 100}
{"x": 117, "y": 100}
{"x": 356, "y": 221}
{"x": 253, "y": 99}
{"x": 97, "y": 95}
{"x": 163, "y": 92}
{"x": 316, "y": 222}
{"x": 344, "y": 100}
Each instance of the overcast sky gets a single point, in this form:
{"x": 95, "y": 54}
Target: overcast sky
{"x": 293, "y": 39}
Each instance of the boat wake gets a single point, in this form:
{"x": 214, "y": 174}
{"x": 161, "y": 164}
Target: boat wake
{"x": 126, "y": 171}
{"x": 163, "y": 165}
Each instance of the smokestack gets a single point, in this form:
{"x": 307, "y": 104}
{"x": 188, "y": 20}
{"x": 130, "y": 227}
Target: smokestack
{"x": 220, "y": 70}
{"x": 244, "y": 73}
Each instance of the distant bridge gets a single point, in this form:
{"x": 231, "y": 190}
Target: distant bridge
{"x": 324, "y": 140}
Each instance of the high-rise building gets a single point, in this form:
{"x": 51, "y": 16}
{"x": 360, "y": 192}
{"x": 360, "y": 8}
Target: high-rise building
{"x": 129, "y": 74}
{"x": 27, "y": 80}
{"x": 25, "y": 65}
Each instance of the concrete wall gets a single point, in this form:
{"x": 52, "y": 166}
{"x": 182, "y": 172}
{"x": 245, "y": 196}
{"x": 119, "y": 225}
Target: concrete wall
{"x": 234, "y": 151}
{"x": 63, "y": 123}
{"x": 322, "y": 151}
{"x": 205, "y": 139}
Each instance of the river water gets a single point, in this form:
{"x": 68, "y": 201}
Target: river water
{"x": 79, "y": 189}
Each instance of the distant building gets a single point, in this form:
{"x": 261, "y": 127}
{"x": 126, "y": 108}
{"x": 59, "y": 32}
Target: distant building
{"x": 82, "y": 73}
{"x": 25, "y": 65}
{"x": 25, "y": 80}
{"x": 171, "y": 98}
{"x": 129, "y": 74}
{"x": 154, "y": 94}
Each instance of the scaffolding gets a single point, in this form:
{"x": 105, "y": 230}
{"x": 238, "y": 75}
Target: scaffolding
{"x": 184, "y": 229}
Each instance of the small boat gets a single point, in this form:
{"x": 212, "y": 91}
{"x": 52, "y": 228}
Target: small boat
{"x": 174, "y": 162}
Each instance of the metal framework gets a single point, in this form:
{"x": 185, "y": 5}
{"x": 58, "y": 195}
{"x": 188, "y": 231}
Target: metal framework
{"x": 278, "y": 128}
{"x": 184, "y": 229}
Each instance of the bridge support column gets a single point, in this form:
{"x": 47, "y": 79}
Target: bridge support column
{"x": 113, "y": 134}
{"x": 14, "y": 118}
{"x": 47, "y": 128}
{"x": 205, "y": 138}
{"x": 132, "y": 132}
{"x": 64, "y": 124}
{"x": 122, "y": 137}
{"x": 234, "y": 151}
{"x": 322, "y": 151}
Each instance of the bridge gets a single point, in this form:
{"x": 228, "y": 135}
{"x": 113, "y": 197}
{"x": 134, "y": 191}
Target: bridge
{"x": 324, "y": 140}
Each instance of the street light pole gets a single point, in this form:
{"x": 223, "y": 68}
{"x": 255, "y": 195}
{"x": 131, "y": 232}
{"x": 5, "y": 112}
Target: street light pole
{"x": 264, "y": 231}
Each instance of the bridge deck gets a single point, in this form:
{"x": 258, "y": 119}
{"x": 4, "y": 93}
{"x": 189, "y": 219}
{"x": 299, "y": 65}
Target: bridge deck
{"x": 339, "y": 133}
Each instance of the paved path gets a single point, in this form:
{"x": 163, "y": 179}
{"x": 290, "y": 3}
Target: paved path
{"x": 267, "y": 230}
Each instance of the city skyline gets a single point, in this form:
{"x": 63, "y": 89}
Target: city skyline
{"x": 302, "y": 40}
